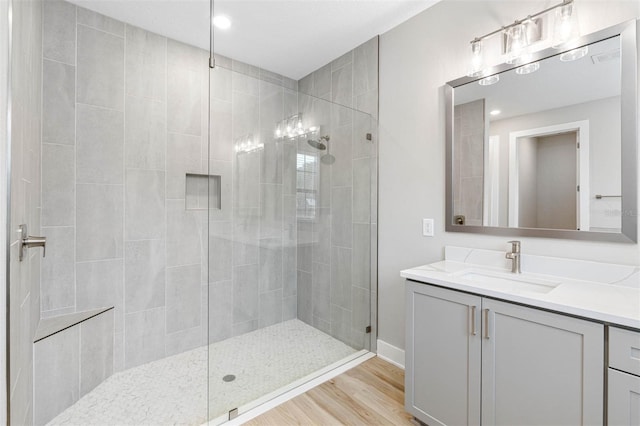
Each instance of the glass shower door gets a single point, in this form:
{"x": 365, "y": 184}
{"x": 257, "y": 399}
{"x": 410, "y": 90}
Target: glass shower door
{"x": 289, "y": 228}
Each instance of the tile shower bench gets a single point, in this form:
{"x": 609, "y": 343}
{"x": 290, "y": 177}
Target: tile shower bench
{"x": 73, "y": 354}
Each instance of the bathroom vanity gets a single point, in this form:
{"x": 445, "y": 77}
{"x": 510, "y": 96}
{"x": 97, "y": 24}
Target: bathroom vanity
{"x": 557, "y": 344}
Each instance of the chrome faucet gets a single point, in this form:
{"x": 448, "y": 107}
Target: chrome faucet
{"x": 514, "y": 255}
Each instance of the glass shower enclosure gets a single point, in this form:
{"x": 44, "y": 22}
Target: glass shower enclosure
{"x": 290, "y": 200}
{"x": 210, "y": 233}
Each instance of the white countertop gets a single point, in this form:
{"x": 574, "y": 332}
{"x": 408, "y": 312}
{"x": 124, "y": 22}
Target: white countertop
{"x": 599, "y": 291}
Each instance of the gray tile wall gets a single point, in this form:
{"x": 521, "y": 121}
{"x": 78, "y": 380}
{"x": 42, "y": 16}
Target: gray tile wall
{"x": 468, "y": 174}
{"x": 126, "y": 120}
{"x": 125, "y": 113}
{"x": 26, "y": 125}
{"x": 337, "y": 251}
{"x": 252, "y": 239}
{"x": 70, "y": 364}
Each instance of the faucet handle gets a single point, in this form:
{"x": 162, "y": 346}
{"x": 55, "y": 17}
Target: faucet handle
{"x": 515, "y": 246}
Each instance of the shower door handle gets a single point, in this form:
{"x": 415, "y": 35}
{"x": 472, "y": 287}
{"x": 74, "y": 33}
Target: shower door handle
{"x": 28, "y": 241}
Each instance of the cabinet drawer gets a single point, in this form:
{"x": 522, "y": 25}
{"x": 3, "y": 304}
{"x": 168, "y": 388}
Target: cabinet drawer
{"x": 624, "y": 350}
{"x": 623, "y": 399}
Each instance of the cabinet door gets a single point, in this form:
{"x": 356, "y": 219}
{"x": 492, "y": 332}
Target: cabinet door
{"x": 540, "y": 368}
{"x": 442, "y": 380}
{"x": 623, "y": 399}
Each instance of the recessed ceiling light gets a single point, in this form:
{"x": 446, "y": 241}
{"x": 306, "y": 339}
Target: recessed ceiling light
{"x": 495, "y": 112}
{"x": 221, "y": 22}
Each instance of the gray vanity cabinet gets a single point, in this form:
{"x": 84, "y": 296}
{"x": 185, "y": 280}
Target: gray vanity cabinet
{"x": 468, "y": 355}
{"x": 540, "y": 368}
{"x": 442, "y": 377}
{"x": 624, "y": 378}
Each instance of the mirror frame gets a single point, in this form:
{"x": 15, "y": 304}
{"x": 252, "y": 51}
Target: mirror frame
{"x": 628, "y": 32}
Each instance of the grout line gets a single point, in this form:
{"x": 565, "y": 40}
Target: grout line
{"x": 98, "y": 29}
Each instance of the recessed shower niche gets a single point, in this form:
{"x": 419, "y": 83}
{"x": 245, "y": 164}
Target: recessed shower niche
{"x": 203, "y": 191}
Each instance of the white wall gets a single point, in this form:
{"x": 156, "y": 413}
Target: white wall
{"x": 603, "y": 116}
{"x": 416, "y": 59}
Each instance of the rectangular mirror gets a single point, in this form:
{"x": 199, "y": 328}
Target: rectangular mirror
{"x": 548, "y": 148}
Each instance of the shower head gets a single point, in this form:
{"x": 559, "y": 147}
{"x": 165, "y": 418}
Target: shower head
{"x": 320, "y": 144}
{"x": 317, "y": 144}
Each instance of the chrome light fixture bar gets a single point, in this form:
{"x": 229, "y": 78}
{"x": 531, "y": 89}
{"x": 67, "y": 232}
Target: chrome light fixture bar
{"x": 518, "y": 37}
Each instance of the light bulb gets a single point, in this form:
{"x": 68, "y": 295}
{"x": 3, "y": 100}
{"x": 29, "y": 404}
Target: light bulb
{"x": 565, "y": 26}
{"x": 575, "y": 54}
{"x": 477, "y": 61}
{"x": 516, "y": 43}
{"x": 488, "y": 81}
{"x": 528, "y": 69}
{"x": 221, "y": 22}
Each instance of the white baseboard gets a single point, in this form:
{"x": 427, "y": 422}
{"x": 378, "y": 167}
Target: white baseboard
{"x": 391, "y": 354}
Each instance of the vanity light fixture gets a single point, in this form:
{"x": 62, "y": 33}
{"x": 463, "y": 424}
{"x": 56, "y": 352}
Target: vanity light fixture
{"x": 477, "y": 60}
{"x": 517, "y": 42}
{"x": 488, "y": 81}
{"x": 528, "y": 69}
{"x": 575, "y": 54}
{"x": 519, "y": 37}
{"x": 495, "y": 112}
{"x": 565, "y": 25}
{"x": 291, "y": 127}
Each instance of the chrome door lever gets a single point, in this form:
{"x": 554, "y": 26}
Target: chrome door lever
{"x": 28, "y": 241}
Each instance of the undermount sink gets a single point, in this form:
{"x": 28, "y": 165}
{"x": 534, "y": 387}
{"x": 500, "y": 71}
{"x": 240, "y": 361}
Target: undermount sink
{"x": 505, "y": 282}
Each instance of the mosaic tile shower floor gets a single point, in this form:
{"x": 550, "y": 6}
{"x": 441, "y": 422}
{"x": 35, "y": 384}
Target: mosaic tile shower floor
{"x": 173, "y": 390}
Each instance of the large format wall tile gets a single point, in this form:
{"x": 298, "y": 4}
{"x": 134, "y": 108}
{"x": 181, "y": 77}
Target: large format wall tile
{"x": 58, "y": 102}
{"x": 183, "y": 156}
{"x": 184, "y": 233}
{"x": 96, "y": 351}
{"x": 145, "y": 137}
{"x": 144, "y": 337}
{"x": 100, "y": 22}
{"x": 183, "y": 98}
{"x": 270, "y": 308}
{"x": 59, "y": 28}
{"x": 341, "y": 225}
{"x": 100, "y": 68}
{"x": 219, "y": 296}
{"x": 144, "y": 275}
{"x": 145, "y": 62}
{"x": 100, "y": 284}
{"x": 245, "y": 293}
{"x": 270, "y": 264}
{"x": 99, "y": 227}
{"x": 100, "y": 145}
{"x": 144, "y": 205}
{"x": 57, "y": 374}
{"x": 58, "y": 269}
{"x": 183, "y": 298}
{"x": 341, "y": 277}
{"x": 58, "y": 185}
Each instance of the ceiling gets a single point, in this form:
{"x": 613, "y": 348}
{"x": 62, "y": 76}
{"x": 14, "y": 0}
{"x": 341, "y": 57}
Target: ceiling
{"x": 289, "y": 37}
{"x": 556, "y": 84}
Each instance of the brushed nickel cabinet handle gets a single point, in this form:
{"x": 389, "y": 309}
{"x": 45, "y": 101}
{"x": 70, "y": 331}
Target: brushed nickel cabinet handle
{"x": 472, "y": 310}
{"x": 486, "y": 323}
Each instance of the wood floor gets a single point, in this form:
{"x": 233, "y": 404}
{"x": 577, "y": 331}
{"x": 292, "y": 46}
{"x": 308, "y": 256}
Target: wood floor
{"x": 369, "y": 394}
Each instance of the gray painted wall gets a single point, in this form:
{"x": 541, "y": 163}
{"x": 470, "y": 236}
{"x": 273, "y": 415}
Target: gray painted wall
{"x": 26, "y": 92}
{"x": 416, "y": 59}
